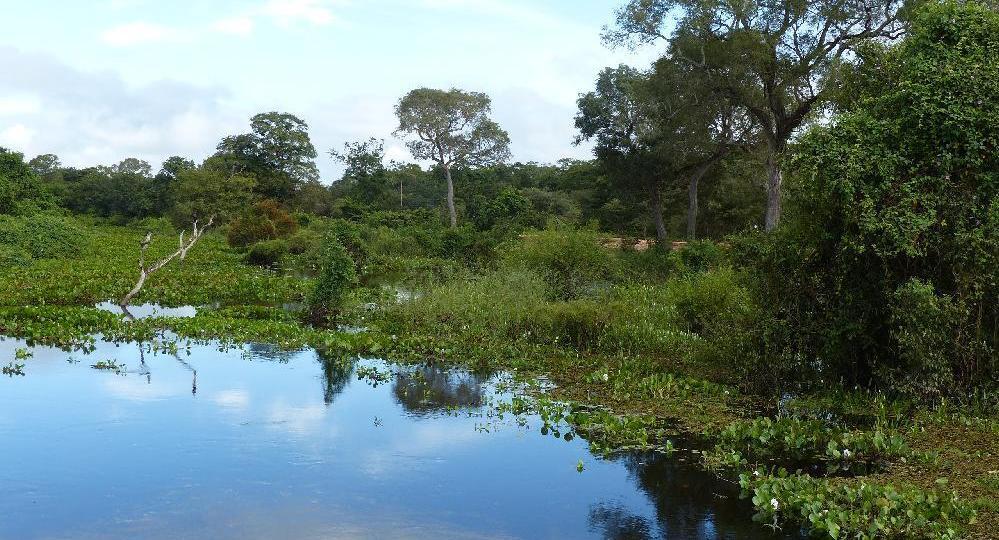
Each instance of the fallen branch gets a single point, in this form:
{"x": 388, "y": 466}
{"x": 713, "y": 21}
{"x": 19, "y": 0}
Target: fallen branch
{"x": 145, "y": 272}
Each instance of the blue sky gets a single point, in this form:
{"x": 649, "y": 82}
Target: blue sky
{"x": 98, "y": 81}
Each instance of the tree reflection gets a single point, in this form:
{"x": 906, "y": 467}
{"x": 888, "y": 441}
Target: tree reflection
{"x": 428, "y": 389}
{"x": 689, "y": 503}
{"x": 336, "y": 376}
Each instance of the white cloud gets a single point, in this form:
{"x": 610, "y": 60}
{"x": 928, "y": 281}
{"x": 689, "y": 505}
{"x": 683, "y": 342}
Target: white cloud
{"x": 17, "y": 105}
{"x": 95, "y": 118}
{"x": 288, "y": 12}
{"x": 16, "y": 136}
{"x": 139, "y": 32}
{"x": 232, "y": 399}
{"x": 238, "y": 26}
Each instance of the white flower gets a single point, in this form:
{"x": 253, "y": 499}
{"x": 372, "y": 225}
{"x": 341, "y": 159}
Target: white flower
{"x": 756, "y": 473}
{"x": 606, "y": 377}
{"x": 775, "y": 504}
{"x": 846, "y": 453}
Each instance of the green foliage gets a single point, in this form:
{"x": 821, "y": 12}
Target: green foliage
{"x": 266, "y": 220}
{"x": 924, "y": 327}
{"x": 335, "y": 279}
{"x": 267, "y": 253}
{"x": 210, "y": 190}
{"x": 901, "y": 188}
{"x": 277, "y": 154}
{"x": 40, "y": 236}
{"x": 21, "y": 191}
{"x": 797, "y": 441}
{"x": 99, "y": 263}
{"x": 862, "y": 510}
{"x": 572, "y": 261}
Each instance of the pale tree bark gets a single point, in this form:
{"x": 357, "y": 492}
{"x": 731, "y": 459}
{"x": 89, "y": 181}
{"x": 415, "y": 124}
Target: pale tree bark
{"x": 657, "y": 214}
{"x": 450, "y": 197}
{"x": 775, "y": 177}
{"x": 692, "y": 207}
{"x": 145, "y": 272}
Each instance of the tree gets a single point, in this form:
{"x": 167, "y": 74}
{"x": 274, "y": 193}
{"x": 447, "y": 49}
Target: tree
{"x": 452, "y": 129}
{"x": 45, "y": 164}
{"x": 775, "y": 58}
{"x": 365, "y": 174}
{"x": 210, "y": 191}
{"x": 615, "y": 116}
{"x": 890, "y": 268}
{"x": 165, "y": 179}
{"x": 21, "y": 191}
{"x": 134, "y": 166}
{"x": 691, "y": 126}
{"x": 277, "y": 152}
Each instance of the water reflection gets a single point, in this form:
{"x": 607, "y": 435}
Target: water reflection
{"x": 210, "y": 445}
{"x": 145, "y": 311}
{"x": 689, "y": 502}
{"x": 430, "y": 389}
{"x": 336, "y": 376}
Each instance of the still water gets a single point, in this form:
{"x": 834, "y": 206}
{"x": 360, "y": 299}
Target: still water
{"x": 253, "y": 443}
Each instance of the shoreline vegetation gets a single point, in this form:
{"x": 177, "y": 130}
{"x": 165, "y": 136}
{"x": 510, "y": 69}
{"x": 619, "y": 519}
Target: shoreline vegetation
{"x": 824, "y": 336}
{"x": 839, "y": 461}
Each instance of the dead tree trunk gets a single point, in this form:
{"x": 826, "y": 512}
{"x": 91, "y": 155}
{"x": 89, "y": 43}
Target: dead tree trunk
{"x": 145, "y": 272}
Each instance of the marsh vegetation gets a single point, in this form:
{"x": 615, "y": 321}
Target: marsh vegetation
{"x": 818, "y": 355}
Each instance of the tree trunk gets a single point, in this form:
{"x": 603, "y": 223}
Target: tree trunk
{"x": 450, "y": 197}
{"x": 774, "y": 179}
{"x": 692, "y": 206}
{"x": 657, "y": 215}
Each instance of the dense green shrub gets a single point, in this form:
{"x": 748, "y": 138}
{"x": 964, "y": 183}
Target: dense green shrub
{"x": 266, "y": 220}
{"x": 21, "y": 191}
{"x": 11, "y": 256}
{"x": 494, "y": 304}
{"x": 267, "y": 253}
{"x": 42, "y": 236}
{"x": 701, "y": 255}
{"x": 572, "y": 261}
{"x": 903, "y": 186}
{"x": 924, "y": 326}
{"x": 335, "y": 279}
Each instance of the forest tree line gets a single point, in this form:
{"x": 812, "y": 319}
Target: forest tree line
{"x": 860, "y": 136}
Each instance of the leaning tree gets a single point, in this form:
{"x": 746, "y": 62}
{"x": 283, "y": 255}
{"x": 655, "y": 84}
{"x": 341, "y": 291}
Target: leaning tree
{"x": 452, "y": 128}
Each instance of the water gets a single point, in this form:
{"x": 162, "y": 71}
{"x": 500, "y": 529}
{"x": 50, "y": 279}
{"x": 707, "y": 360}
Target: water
{"x": 145, "y": 311}
{"x": 254, "y": 443}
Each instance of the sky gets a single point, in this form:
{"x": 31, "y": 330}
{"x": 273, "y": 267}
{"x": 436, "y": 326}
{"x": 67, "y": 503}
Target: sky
{"x": 95, "y": 82}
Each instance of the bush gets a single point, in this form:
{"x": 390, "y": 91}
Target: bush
{"x": 496, "y": 304}
{"x": 923, "y": 327}
{"x": 12, "y": 256}
{"x": 42, "y": 236}
{"x": 21, "y": 191}
{"x": 267, "y": 253}
{"x": 571, "y": 261}
{"x": 901, "y": 187}
{"x": 701, "y": 255}
{"x": 336, "y": 277}
{"x": 266, "y": 220}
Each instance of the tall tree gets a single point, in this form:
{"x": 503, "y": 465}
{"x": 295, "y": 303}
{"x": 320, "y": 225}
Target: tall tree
{"x": 614, "y": 115}
{"x": 691, "y": 126}
{"x": 365, "y": 174}
{"x": 277, "y": 152}
{"x": 774, "y": 57}
{"x": 165, "y": 179}
{"x": 452, "y": 129}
